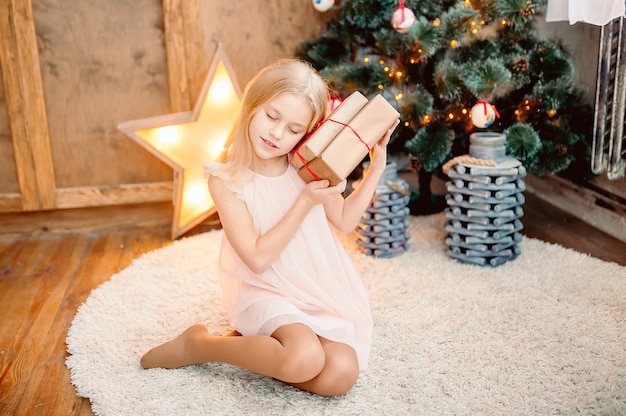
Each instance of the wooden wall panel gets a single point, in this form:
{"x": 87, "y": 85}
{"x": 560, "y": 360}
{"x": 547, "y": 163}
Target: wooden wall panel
{"x": 107, "y": 62}
{"x": 255, "y": 33}
{"x": 102, "y": 62}
{"x": 182, "y": 34}
{"x": 23, "y": 89}
{"x": 8, "y": 173}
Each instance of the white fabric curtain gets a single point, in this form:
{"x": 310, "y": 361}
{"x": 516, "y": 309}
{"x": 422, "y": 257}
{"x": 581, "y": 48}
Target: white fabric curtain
{"x": 596, "y": 12}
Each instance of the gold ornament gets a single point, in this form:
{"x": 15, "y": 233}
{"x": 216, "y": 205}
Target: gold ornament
{"x": 528, "y": 10}
{"x": 521, "y": 65}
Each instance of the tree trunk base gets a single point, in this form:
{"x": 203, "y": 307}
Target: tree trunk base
{"x": 424, "y": 201}
{"x": 427, "y": 205}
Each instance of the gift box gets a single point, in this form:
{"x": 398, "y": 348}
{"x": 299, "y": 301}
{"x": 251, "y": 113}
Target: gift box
{"x": 317, "y": 141}
{"x": 346, "y": 150}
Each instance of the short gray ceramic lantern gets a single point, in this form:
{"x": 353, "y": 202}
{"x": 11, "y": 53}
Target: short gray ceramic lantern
{"x": 382, "y": 230}
{"x": 484, "y": 204}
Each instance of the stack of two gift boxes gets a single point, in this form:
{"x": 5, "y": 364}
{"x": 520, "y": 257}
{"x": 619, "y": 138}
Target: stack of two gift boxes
{"x": 339, "y": 144}
{"x": 337, "y": 147}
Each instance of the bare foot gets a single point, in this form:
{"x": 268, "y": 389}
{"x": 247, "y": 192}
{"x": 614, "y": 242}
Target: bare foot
{"x": 173, "y": 353}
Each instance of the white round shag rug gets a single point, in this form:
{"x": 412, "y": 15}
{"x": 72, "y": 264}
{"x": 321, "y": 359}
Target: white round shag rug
{"x": 542, "y": 334}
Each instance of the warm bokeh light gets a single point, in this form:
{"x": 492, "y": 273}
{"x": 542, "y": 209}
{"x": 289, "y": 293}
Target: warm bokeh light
{"x": 167, "y": 135}
{"x": 221, "y": 89}
{"x": 196, "y": 195}
{"x": 215, "y": 147}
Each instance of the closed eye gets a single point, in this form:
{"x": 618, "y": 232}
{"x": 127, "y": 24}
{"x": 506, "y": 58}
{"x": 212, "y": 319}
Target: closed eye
{"x": 274, "y": 117}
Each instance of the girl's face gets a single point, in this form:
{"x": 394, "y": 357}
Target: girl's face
{"x": 279, "y": 124}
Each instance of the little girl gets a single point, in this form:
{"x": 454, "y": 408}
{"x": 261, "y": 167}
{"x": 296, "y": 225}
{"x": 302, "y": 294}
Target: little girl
{"x": 289, "y": 287}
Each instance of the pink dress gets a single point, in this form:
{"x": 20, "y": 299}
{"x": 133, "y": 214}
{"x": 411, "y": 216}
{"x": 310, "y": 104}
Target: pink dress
{"x": 312, "y": 281}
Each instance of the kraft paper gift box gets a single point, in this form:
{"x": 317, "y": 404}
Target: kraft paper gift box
{"x": 353, "y": 142}
{"x": 315, "y": 144}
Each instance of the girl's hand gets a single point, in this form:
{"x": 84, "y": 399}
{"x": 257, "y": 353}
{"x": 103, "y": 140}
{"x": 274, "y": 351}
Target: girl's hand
{"x": 319, "y": 192}
{"x": 378, "y": 154}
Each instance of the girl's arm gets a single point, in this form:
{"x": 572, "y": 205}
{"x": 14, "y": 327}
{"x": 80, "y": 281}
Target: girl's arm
{"x": 345, "y": 214}
{"x": 259, "y": 251}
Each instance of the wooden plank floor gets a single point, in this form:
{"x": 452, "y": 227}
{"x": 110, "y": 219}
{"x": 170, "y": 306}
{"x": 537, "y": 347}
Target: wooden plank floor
{"x": 45, "y": 277}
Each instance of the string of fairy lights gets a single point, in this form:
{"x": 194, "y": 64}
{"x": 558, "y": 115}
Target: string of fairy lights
{"x": 462, "y": 113}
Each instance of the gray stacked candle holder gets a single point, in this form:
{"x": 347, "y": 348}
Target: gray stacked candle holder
{"x": 484, "y": 205}
{"x": 382, "y": 230}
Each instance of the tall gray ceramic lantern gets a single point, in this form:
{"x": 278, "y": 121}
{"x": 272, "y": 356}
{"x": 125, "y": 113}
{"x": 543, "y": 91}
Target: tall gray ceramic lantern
{"x": 382, "y": 230}
{"x": 485, "y": 194}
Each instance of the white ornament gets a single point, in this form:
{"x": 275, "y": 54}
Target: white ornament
{"x": 483, "y": 114}
{"x": 323, "y": 5}
{"x": 402, "y": 19}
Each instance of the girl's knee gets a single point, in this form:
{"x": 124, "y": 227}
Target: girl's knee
{"x": 303, "y": 363}
{"x": 339, "y": 377}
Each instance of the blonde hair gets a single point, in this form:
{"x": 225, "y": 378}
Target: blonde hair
{"x": 283, "y": 76}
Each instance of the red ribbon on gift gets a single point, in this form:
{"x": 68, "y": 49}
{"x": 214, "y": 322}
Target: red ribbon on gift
{"x": 485, "y": 103}
{"x": 305, "y": 164}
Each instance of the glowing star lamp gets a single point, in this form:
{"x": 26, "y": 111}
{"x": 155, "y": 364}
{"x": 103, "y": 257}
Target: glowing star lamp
{"x": 185, "y": 140}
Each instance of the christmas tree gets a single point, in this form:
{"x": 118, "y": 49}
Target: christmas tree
{"x": 438, "y": 60}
